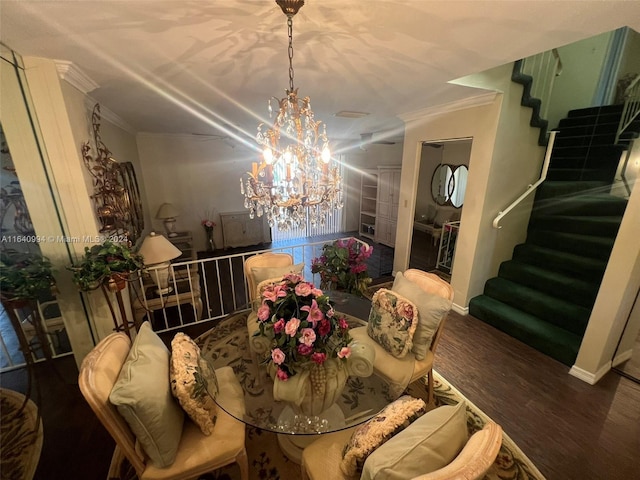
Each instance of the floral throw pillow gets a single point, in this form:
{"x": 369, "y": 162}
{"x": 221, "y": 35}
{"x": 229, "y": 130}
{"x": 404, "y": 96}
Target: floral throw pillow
{"x": 394, "y": 418}
{"x": 392, "y": 322}
{"x": 193, "y": 382}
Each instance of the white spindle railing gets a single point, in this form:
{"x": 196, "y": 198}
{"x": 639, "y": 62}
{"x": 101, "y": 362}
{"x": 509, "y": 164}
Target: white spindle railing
{"x": 631, "y": 106}
{"x": 531, "y": 188}
{"x": 543, "y": 68}
{"x": 212, "y": 287}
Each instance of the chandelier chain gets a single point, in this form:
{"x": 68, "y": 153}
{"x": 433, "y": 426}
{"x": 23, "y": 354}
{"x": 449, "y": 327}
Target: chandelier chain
{"x": 290, "y": 31}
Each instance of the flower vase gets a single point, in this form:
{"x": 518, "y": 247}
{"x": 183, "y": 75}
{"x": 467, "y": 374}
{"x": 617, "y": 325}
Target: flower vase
{"x": 211, "y": 244}
{"x": 313, "y": 391}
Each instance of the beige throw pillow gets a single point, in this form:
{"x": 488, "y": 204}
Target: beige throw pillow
{"x": 143, "y": 397}
{"x": 193, "y": 382}
{"x": 261, "y": 274}
{"x": 428, "y": 444}
{"x": 394, "y": 418}
{"x": 431, "y": 310}
{"x": 392, "y": 322}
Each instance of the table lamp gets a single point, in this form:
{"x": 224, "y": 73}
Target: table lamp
{"x": 157, "y": 253}
{"x": 168, "y": 213}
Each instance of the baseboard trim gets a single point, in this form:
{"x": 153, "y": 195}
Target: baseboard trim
{"x": 590, "y": 378}
{"x": 623, "y": 357}
{"x": 461, "y": 310}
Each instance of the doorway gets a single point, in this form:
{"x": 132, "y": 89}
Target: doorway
{"x": 442, "y": 183}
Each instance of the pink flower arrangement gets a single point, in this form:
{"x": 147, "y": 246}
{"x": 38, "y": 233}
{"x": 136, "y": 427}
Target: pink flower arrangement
{"x": 208, "y": 224}
{"x": 304, "y": 328}
{"x": 343, "y": 266}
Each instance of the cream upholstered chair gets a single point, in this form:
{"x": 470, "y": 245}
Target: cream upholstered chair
{"x": 395, "y": 370}
{"x": 256, "y": 270}
{"x": 197, "y": 453}
{"x": 321, "y": 459}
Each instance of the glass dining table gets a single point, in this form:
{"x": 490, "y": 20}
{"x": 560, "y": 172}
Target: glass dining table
{"x": 227, "y": 344}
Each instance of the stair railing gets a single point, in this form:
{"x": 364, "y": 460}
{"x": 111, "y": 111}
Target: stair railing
{"x": 532, "y": 187}
{"x": 543, "y": 68}
{"x": 631, "y": 107}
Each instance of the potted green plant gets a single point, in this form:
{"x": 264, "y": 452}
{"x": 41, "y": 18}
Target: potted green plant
{"x": 343, "y": 266}
{"x": 24, "y": 276}
{"x": 108, "y": 262}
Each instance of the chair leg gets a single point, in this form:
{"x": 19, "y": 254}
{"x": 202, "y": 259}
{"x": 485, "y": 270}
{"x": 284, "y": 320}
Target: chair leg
{"x": 243, "y": 463}
{"x": 430, "y": 396}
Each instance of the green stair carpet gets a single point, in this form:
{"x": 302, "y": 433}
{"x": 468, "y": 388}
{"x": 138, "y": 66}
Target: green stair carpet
{"x": 544, "y": 295}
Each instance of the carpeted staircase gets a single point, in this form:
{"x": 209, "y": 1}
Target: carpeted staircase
{"x": 544, "y": 295}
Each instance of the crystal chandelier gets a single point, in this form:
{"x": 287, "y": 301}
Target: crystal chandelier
{"x": 296, "y": 179}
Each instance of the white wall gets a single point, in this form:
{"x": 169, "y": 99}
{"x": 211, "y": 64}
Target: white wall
{"x": 504, "y": 159}
{"x": 576, "y": 86}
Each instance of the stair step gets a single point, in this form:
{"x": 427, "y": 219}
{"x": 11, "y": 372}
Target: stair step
{"x": 559, "y": 261}
{"x": 593, "y": 154}
{"x": 561, "y": 313}
{"x": 535, "y": 332}
{"x": 603, "y": 175}
{"x": 588, "y": 120}
{"x": 584, "y": 140}
{"x": 600, "y": 110}
{"x": 590, "y": 204}
{"x": 602, "y": 226}
{"x": 588, "y": 130}
{"x": 553, "y": 188}
{"x": 584, "y": 245}
{"x": 578, "y": 291}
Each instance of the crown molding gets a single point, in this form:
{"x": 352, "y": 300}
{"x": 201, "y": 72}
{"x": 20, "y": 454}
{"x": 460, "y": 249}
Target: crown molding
{"x": 108, "y": 115}
{"x": 469, "y": 102}
{"x": 70, "y": 73}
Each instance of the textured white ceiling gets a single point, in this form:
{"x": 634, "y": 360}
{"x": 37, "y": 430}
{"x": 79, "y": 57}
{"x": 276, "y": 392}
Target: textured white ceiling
{"x": 201, "y": 66}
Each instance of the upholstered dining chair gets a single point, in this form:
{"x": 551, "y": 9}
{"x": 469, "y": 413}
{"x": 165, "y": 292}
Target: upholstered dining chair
{"x": 197, "y": 453}
{"x": 321, "y": 459}
{"x": 404, "y": 371}
{"x": 259, "y": 268}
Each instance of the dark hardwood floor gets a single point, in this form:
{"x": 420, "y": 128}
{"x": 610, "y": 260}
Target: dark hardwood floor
{"x": 569, "y": 429}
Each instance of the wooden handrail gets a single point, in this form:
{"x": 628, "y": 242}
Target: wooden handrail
{"x": 530, "y": 188}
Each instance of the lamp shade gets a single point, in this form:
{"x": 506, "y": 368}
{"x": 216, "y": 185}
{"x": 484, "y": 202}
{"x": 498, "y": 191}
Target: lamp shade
{"x": 167, "y": 210}
{"x": 157, "y": 249}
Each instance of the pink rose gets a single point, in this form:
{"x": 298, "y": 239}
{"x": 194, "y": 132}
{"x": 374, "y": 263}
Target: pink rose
{"x": 308, "y": 336}
{"x": 304, "y": 349}
{"x": 291, "y": 327}
{"x": 282, "y": 375}
{"x": 319, "y": 358}
{"x": 345, "y": 352}
{"x": 342, "y": 323}
{"x": 264, "y": 312}
{"x": 277, "y": 356}
{"x": 303, "y": 289}
{"x": 316, "y": 292}
{"x": 331, "y": 313}
{"x": 278, "y": 326}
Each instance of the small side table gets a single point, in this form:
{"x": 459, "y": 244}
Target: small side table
{"x": 184, "y": 242}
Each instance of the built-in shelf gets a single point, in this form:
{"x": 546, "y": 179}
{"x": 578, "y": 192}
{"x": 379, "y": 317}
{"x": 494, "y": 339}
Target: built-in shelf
{"x": 368, "y": 199}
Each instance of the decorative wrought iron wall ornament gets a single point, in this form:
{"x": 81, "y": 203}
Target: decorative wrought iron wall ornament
{"x": 116, "y": 193}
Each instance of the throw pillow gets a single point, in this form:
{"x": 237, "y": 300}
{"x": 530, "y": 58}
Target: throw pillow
{"x": 143, "y": 397}
{"x": 431, "y": 310}
{"x": 394, "y": 418}
{"x": 193, "y": 382}
{"x": 392, "y": 322}
{"x": 428, "y": 444}
{"x": 264, "y": 273}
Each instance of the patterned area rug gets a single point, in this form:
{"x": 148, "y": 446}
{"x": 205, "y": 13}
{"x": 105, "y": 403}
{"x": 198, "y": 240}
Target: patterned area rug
{"x": 20, "y": 436}
{"x": 266, "y": 462}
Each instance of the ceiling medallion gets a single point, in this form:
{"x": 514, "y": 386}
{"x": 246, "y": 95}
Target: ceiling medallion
{"x": 296, "y": 181}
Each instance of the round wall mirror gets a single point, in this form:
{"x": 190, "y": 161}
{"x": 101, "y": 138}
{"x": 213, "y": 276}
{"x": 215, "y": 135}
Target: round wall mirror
{"x": 448, "y": 184}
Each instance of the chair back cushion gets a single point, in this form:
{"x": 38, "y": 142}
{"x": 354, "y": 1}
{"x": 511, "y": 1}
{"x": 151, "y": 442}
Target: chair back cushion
{"x": 262, "y": 260}
{"x": 392, "y": 322}
{"x": 98, "y": 374}
{"x": 193, "y": 382}
{"x": 142, "y": 395}
{"x": 428, "y": 444}
{"x": 395, "y": 417}
{"x": 433, "y": 301}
